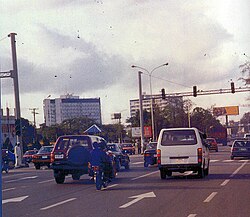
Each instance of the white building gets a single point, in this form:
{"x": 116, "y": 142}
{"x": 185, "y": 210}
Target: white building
{"x": 69, "y": 106}
{"x": 146, "y": 103}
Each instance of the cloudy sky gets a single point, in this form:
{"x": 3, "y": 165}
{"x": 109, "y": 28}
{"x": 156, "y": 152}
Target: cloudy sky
{"x": 87, "y": 47}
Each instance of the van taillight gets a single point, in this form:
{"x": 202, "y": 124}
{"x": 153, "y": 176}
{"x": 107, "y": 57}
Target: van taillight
{"x": 158, "y": 156}
{"x": 199, "y": 152}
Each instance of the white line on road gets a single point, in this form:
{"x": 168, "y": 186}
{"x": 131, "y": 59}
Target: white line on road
{"x": 10, "y": 176}
{"x": 225, "y": 161}
{"x": 49, "y": 180}
{"x": 137, "y": 163}
{"x": 225, "y": 182}
{"x": 210, "y": 197}
{"x": 111, "y": 186}
{"x": 192, "y": 215}
{"x": 238, "y": 169}
{"x": 8, "y": 189}
{"x": 212, "y": 161}
{"x": 57, "y": 204}
{"x": 16, "y": 180}
{"x": 148, "y": 174}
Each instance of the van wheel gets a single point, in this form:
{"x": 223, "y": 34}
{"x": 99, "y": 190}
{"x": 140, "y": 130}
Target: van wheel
{"x": 169, "y": 173}
{"x": 59, "y": 177}
{"x": 163, "y": 174}
{"x": 207, "y": 170}
{"x": 201, "y": 173}
{"x": 37, "y": 166}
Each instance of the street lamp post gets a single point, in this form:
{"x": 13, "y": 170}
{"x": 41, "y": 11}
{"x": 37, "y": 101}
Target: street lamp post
{"x": 151, "y": 95}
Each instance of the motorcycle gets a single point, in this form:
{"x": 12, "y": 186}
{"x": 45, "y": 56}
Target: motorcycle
{"x": 5, "y": 165}
{"x": 99, "y": 177}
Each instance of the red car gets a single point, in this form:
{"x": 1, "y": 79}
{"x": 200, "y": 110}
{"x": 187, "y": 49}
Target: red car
{"x": 42, "y": 158}
{"x": 28, "y": 155}
{"x": 213, "y": 145}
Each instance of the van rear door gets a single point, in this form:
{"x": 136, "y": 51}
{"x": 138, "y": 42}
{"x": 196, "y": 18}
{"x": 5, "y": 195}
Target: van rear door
{"x": 178, "y": 146}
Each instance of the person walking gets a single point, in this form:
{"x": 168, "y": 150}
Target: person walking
{"x": 17, "y": 152}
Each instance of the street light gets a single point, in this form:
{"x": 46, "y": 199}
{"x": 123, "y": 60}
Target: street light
{"x": 150, "y": 81}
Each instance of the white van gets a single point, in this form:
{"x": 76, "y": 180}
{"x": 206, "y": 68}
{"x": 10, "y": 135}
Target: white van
{"x": 182, "y": 149}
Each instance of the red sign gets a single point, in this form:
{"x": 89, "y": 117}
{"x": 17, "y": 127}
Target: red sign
{"x": 148, "y": 131}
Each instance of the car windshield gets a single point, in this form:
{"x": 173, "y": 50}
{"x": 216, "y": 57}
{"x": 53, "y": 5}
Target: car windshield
{"x": 151, "y": 145}
{"x": 45, "y": 149}
{"x": 210, "y": 140}
{"x": 65, "y": 143}
{"x": 241, "y": 144}
{"x": 178, "y": 137}
{"x": 113, "y": 147}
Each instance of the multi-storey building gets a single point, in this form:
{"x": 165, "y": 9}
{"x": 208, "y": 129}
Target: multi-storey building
{"x": 69, "y": 106}
{"x": 159, "y": 102}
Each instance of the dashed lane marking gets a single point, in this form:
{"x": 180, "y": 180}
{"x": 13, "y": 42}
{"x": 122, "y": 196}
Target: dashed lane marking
{"x": 58, "y": 204}
{"x": 210, "y": 197}
{"x": 225, "y": 182}
{"x": 148, "y": 174}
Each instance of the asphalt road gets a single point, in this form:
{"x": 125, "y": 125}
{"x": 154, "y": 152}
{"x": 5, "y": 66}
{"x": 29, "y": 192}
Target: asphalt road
{"x": 134, "y": 193}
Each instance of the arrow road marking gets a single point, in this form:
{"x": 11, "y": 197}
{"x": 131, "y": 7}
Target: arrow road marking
{"x": 138, "y": 198}
{"x": 16, "y": 199}
{"x": 16, "y": 180}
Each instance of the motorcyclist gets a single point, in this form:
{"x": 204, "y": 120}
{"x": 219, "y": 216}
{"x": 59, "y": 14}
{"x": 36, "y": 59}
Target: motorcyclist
{"x": 100, "y": 158}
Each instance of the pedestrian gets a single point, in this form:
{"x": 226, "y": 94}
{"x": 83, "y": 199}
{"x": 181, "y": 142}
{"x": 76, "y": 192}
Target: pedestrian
{"x": 17, "y": 151}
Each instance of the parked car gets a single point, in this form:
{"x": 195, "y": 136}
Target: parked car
{"x": 182, "y": 149}
{"x": 42, "y": 157}
{"x": 240, "y": 148}
{"x": 27, "y": 157}
{"x": 128, "y": 148}
{"x": 121, "y": 159}
{"x": 150, "y": 156}
{"x": 213, "y": 145}
{"x": 71, "y": 155}
{"x": 247, "y": 136}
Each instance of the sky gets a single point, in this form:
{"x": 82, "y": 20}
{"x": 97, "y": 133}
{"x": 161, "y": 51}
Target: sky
{"x": 87, "y": 47}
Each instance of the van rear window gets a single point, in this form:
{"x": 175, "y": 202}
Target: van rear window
{"x": 178, "y": 137}
{"x": 65, "y": 143}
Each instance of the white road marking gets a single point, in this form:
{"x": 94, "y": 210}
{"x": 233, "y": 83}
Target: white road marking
{"x": 210, "y": 197}
{"x": 192, "y": 215}
{"x": 238, "y": 169}
{"x": 8, "y": 189}
{"x": 226, "y": 161}
{"x": 137, "y": 163}
{"x": 138, "y": 198}
{"x": 50, "y": 180}
{"x": 10, "y": 176}
{"x": 212, "y": 161}
{"x": 57, "y": 204}
{"x": 225, "y": 182}
{"x": 148, "y": 174}
{"x": 14, "y": 200}
{"x": 243, "y": 160}
{"x": 16, "y": 180}
{"x": 111, "y": 186}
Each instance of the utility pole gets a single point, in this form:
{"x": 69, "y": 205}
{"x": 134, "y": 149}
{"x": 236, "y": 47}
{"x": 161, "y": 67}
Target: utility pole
{"x": 141, "y": 111}
{"x": 34, "y": 115}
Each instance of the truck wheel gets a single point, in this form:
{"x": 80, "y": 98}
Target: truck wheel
{"x": 163, "y": 174}
{"x": 37, "y": 166}
{"x": 59, "y": 177}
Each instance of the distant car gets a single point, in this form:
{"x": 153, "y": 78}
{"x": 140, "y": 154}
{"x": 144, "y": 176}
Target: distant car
{"x": 240, "y": 148}
{"x": 42, "y": 157}
{"x": 213, "y": 145}
{"x": 120, "y": 158}
{"x": 150, "y": 156}
{"x": 28, "y": 155}
{"x": 128, "y": 148}
{"x": 247, "y": 136}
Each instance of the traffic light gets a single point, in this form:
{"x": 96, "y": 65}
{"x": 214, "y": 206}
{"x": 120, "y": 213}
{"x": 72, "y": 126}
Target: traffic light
{"x": 18, "y": 127}
{"x": 163, "y": 95}
{"x": 232, "y": 87}
{"x": 195, "y": 91}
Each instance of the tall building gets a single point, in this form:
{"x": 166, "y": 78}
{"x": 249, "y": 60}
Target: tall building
{"x": 159, "y": 102}
{"x": 69, "y": 106}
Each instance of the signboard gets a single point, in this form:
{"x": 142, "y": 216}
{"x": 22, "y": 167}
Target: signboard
{"x": 229, "y": 110}
{"x": 136, "y": 132}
